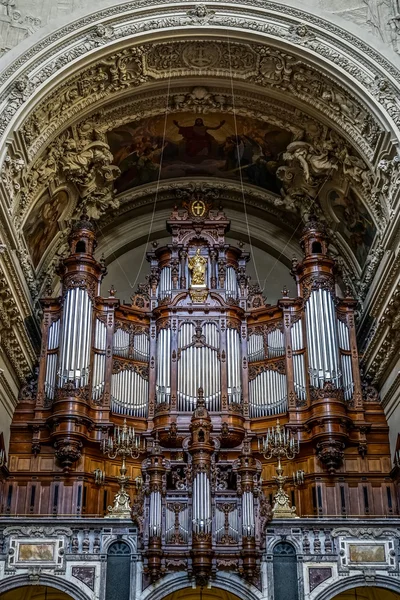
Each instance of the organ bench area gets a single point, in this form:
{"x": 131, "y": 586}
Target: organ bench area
{"x": 201, "y": 367}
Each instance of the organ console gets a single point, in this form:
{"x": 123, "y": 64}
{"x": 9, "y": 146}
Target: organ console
{"x": 201, "y": 367}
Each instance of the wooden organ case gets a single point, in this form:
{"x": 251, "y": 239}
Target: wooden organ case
{"x": 201, "y": 367}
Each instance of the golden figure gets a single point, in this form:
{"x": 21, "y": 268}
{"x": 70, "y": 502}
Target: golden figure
{"x": 197, "y": 265}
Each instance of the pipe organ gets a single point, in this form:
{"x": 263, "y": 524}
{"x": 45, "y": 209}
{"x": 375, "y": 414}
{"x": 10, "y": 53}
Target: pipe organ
{"x": 200, "y": 366}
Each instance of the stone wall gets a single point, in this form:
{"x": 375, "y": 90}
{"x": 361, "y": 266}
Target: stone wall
{"x": 71, "y": 555}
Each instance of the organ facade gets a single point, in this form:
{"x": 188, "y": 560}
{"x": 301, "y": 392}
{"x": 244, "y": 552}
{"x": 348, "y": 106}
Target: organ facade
{"x": 201, "y": 368}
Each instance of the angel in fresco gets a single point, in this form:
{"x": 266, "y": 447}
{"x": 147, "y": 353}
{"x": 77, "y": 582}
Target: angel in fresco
{"x": 198, "y": 142}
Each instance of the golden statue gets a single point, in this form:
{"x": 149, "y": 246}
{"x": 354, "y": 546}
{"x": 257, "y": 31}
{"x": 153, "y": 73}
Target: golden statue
{"x": 197, "y": 265}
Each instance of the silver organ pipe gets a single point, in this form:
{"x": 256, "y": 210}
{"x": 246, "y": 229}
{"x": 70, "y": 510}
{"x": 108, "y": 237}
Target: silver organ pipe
{"x": 121, "y": 343}
{"x": 155, "y": 514}
{"x": 199, "y": 367}
{"x": 347, "y": 372}
{"x": 248, "y": 522}
{"x": 231, "y": 284}
{"x": 233, "y": 366}
{"x": 52, "y": 357}
{"x": 183, "y": 531}
{"x": 165, "y": 283}
{"x": 322, "y": 339}
{"x": 275, "y": 343}
{"x": 99, "y": 359}
{"x": 201, "y": 503}
{"x": 268, "y": 394}
{"x": 163, "y": 380}
{"x": 299, "y": 375}
{"x": 233, "y": 525}
{"x": 129, "y": 393}
{"x": 256, "y": 349}
{"x": 141, "y": 347}
{"x": 76, "y": 334}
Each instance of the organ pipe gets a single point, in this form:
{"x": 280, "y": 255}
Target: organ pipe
{"x": 155, "y": 514}
{"x": 163, "y": 381}
{"x": 322, "y": 339}
{"x": 121, "y": 343}
{"x": 165, "y": 283}
{"x": 234, "y": 366}
{"x": 129, "y": 393}
{"x": 201, "y": 503}
{"x": 52, "y": 358}
{"x": 199, "y": 366}
{"x": 345, "y": 357}
{"x": 299, "y": 375}
{"x": 267, "y": 394}
{"x": 76, "y": 329}
{"x": 231, "y": 284}
{"x": 256, "y": 351}
{"x": 99, "y": 360}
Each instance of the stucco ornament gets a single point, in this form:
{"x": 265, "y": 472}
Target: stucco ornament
{"x": 82, "y": 161}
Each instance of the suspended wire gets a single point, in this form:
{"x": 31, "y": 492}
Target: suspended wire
{"x": 240, "y": 169}
{"x": 294, "y": 232}
{"x": 133, "y": 285}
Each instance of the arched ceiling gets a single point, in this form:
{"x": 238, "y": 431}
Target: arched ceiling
{"x": 35, "y": 592}
{"x": 367, "y": 593}
{"x": 89, "y": 115}
{"x": 211, "y": 593}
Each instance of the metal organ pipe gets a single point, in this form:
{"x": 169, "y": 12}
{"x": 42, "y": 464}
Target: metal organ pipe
{"x": 298, "y": 359}
{"x": 76, "y": 338}
{"x": 51, "y": 363}
{"x": 233, "y": 364}
{"x": 121, "y": 343}
{"x": 275, "y": 343}
{"x": 347, "y": 371}
{"x": 198, "y": 367}
{"x": 248, "y": 522}
{"x": 165, "y": 283}
{"x": 170, "y": 523}
{"x": 99, "y": 360}
{"x": 141, "y": 347}
{"x": 256, "y": 350}
{"x": 155, "y": 514}
{"x": 268, "y": 394}
{"x": 322, "y": 339}
{"x": 129, "y": 393}
{"x": 201, "y": 503}
{"x": 231, "y": 284}
{"x": 163, "y": 380}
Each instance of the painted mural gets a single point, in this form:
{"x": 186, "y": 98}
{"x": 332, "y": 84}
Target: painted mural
{"x": 42, "y": 225}
{"x": 354, "y": 222}
{"x": 214, "y": 145}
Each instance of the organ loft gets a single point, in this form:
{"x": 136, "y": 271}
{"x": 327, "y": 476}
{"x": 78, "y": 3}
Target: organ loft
{"x": 198, "y": 412}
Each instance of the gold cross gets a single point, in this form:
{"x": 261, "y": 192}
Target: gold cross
{"x": 198, "y": 208}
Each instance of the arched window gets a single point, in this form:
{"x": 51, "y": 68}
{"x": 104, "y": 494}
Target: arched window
{"x": 80, "y": 247}
{"x": 118, "y": 571}
{"x": 316, "y": 248}
{"x": 285, "y": 572}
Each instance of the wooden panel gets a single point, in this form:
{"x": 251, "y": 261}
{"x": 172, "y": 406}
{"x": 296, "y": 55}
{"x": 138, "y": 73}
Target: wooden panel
{"x": 46, "y": 464}
{"x": 24, "y": 464}
{"x": 354, "y": 497}
{"x": 352, "y": 465}
{"x": 374, "y": 465}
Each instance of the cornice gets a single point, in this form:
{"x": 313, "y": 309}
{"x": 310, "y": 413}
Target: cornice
{"x": 392, "y": 392}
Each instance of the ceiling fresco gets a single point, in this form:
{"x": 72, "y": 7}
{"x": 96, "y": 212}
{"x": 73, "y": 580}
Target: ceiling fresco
{"x": 42, "y": 224}
{"x": 188, "y": 145}
{"x": 353, "y": 222}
